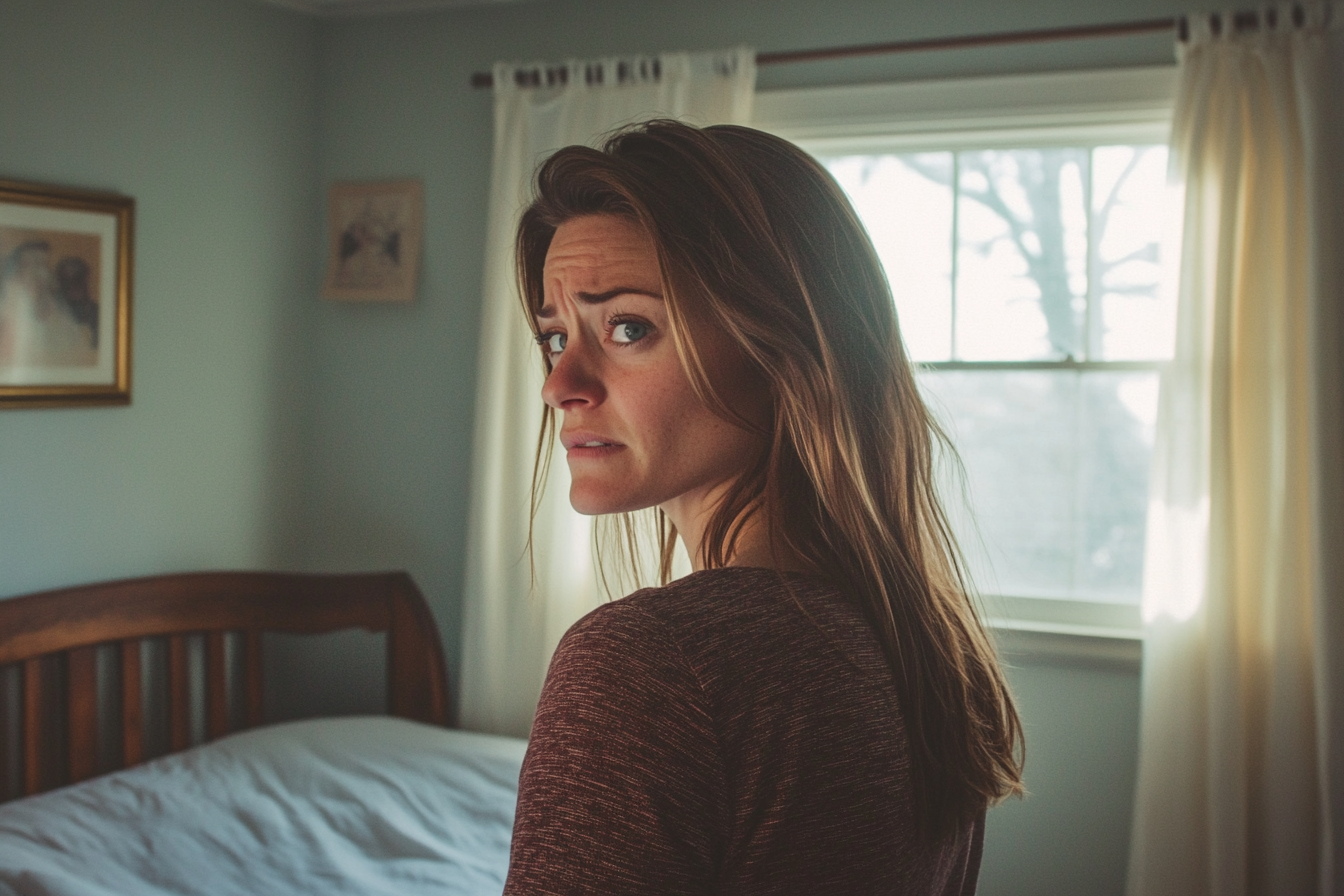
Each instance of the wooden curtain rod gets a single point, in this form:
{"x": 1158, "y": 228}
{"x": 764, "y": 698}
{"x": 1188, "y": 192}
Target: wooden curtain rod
{"x": 1038, "y": 35}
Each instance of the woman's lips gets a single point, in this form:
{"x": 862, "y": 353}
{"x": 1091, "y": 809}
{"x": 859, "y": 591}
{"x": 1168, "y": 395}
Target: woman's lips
{"x": 589, "y": 444}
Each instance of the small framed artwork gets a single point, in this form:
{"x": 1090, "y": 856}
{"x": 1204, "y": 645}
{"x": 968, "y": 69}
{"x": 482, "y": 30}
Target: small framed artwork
{"x": 373, "y": 250}
{"x": 65, "y": 296}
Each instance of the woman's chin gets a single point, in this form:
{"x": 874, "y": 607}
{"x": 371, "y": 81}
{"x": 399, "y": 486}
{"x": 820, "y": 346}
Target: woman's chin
{"x": 592, "y": 501}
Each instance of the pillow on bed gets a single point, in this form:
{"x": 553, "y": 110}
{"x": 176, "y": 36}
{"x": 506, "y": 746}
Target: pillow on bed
{"x": 331, "y": 806}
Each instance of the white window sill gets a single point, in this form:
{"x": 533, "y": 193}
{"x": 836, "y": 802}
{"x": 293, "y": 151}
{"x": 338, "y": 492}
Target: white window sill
{"x": 1096, "y": 646}
{"x": 1065, "y": 631}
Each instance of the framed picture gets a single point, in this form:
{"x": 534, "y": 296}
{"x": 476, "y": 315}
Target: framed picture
{"x": 373, "y": 251}
{"x": 65, "y": 296}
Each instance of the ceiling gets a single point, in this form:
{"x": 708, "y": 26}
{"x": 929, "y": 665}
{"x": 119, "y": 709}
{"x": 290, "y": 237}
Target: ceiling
{"x": 377, "y": 7}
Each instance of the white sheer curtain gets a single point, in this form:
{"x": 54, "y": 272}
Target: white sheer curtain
{"x": 1240, "y": 756}
{"x": 512, "y": 624}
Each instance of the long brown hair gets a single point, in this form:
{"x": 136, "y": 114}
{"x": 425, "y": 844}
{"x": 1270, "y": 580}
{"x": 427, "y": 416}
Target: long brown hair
{"x": 762, "y": 240}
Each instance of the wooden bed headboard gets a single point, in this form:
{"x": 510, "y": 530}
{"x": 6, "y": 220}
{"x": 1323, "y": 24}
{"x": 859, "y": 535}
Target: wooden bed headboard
{"x": 54, "y": 639}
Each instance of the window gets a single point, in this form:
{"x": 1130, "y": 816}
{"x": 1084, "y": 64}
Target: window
{"x": 1020, "y": 223}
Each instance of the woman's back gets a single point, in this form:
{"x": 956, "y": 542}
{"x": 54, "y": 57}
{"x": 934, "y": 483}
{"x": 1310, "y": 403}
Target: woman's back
{"x": 737, "y": 731}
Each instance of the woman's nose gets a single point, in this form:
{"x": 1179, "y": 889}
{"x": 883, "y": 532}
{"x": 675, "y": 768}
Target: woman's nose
{"x": 575, "y": 380}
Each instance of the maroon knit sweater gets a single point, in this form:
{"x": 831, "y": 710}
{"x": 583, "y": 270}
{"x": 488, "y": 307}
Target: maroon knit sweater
{"x": 717, "y": 736}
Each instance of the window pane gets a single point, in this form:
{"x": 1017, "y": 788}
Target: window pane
{"x": 905, "y": 202}
{"x": 1137, "y": 318}
{"x": 1021, "y": 254}
{"x": 1056, "y": 478}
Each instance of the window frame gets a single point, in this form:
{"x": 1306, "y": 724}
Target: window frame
{"x": 1074, "y": 108}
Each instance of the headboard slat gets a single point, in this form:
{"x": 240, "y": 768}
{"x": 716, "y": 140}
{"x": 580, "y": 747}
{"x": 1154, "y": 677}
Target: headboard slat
{"x": 33, "y": 726}
{"x": 82, "y": 706}
{"x": 132, "y": 709}
{"x": 253, "y": 690}
{"x": 179, "y": 694}
{"x": 216, "y": 687}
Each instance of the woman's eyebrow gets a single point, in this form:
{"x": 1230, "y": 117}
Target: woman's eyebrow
{"x": 597, "y": 298}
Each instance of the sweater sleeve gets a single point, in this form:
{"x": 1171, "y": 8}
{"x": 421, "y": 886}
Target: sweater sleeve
{"x": 621, "y": 790}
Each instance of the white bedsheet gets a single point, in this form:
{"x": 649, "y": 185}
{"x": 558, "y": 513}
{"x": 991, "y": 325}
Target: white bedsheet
{"x": 331, "y": 806}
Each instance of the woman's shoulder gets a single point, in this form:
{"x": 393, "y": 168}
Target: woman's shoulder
{"x": 717, "y": 620}
{"x": 706, "y": 600}
{"x": 623, "y": 664}
{"x": 730, "y": 589}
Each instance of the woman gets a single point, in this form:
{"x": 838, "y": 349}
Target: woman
{"x": 816, "y": 708}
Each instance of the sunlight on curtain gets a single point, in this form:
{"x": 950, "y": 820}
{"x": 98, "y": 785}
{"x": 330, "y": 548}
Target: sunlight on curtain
{"x": 511, "y": 626}
{"x": 1236, "y": 758}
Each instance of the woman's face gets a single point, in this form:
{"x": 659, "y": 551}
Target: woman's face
{"x": 634, "y": 431}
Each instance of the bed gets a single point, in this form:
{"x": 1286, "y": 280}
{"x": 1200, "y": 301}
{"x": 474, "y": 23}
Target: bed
{"x": 135, "y": 758}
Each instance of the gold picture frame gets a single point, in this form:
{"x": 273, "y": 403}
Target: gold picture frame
{"x": 65, "y": 296}
{"x": 373, "y": 247}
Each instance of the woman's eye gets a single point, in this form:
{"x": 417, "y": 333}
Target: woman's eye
{"x": 629, "y": 331}
{"x": 552, "y": 343}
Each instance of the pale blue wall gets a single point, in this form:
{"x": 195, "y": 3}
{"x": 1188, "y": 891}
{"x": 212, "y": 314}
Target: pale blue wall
{"x": 205, "y": 112}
